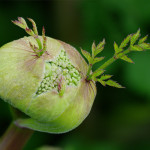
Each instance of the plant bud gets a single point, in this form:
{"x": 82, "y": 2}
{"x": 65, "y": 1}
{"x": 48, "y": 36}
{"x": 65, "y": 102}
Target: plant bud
{"x": 51, "y": 90}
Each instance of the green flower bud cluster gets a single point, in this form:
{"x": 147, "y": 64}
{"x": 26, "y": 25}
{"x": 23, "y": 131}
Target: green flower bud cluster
{"x": 56, "y": 71}
{"x": 45, "y": 78}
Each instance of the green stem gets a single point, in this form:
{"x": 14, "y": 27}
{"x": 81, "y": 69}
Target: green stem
{"x": 107, "y": 63}
{"x": 113, "y": 59}
{"x": 15, "y": 138}
{"x": 39, "y": 43}
{"x": 110, "y": 61}
{"x": 89, "y": 70}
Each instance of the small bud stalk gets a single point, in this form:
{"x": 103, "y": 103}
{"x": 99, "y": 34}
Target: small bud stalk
{"x": 40, "y": 50}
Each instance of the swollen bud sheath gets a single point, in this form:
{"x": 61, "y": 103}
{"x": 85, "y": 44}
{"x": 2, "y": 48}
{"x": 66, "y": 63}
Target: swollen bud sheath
{"x": 51, "y": 90}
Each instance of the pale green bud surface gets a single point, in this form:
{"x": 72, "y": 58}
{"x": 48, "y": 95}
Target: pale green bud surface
{"x": 51, "y": 89}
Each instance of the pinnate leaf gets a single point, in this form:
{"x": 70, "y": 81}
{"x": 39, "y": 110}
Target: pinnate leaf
{"x": 114, "y": 84}
{"x": 22, "y": 20}
{"x": 145, "y": 45}
{"x": 97, "y": 73}
{"x": 102, "y": 82}
{"x": 20, "y": 23}
{"x": 105, "y": 77}
{"x": 99, "y": 47}
{"x": 101, "y": 44}
{"x": 93, "y": 48}
{"x": 125, "y": 42}
{"x": 117, "y": 49}
{"x": 136, "y": 48}
{"x": 135, "y": 37}
{"x": 86, "y": 55}
{"x": 97, "y": 51}
{"x": 34, "y": 26}
{"x": 97, "y": 59}
{"x": 143, "y": 39}
{"x": 29, "y": 31}
{"x": 126, "y": 58}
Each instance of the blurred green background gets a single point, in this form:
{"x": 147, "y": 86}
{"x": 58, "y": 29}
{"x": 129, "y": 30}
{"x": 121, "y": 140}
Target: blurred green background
{"x": 120, "y": 118}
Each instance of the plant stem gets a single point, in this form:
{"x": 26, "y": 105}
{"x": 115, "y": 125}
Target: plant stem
{"x": 39, "y": 43}
{"x": 89, "y": 70}
{"x": 110, "y": 61}
{"x": 107, "y": 63}
{"x": 113, "y": 59}
{"x": 15, "y": 138}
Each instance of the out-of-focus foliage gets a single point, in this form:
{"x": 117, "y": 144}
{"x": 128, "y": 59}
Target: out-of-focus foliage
{"x": 48, "y": 148}
{"x": 120, "y": 118}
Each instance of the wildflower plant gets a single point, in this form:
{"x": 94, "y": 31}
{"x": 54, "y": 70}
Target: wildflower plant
{"x": 50, "y": 82}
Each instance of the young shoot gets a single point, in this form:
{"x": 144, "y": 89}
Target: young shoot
{"x": 129, "y": 44}
{"x": 39, "y": 51}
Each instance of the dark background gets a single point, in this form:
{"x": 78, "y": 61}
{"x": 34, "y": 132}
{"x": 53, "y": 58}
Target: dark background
{"x": 120, "y": 118}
